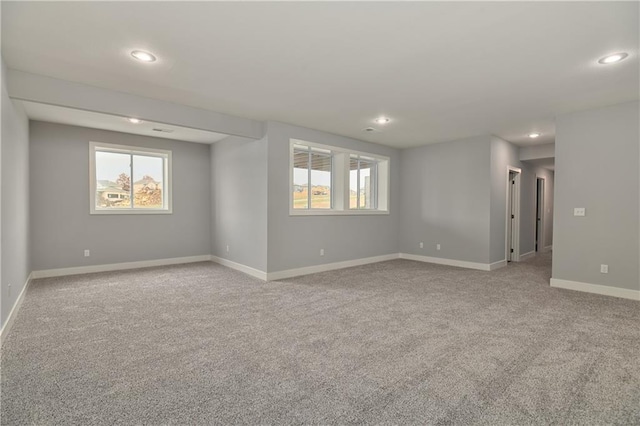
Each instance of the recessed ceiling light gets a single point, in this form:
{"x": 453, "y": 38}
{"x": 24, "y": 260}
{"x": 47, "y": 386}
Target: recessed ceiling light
{"x": 382, "y": 120}
{"x": 143, "y": 56}
{"x": 134, "y": 120}
{"x": 612, "y": 59}
{"x": 534, "y": 135}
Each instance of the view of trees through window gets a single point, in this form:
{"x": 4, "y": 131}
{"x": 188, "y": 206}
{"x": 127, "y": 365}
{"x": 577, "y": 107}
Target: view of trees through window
{"x": 115, "y": 187}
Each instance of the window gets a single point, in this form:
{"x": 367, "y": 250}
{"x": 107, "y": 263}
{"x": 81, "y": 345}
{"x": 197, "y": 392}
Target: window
{"x": 363, "y": 173}
{"x": 311, "y": 178}
{"x": 129, "y": 180}
{"x": 333, "y": 180}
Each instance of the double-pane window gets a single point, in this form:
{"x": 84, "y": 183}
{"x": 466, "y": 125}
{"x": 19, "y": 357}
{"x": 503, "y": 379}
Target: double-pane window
{"x": 127, "y": 179}
{"x": 311, "y": 178}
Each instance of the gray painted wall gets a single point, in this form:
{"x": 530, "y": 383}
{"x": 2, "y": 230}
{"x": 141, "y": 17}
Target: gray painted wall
{"x": 48, "y": 90}
{"x": 14, "y": 216}
{"x": 239, "y": 201}
{"x": 295, "y": 241}
{"x": 445, "y": 196}
{"x": 597, "y": 162}
{"x": 455, "y": 194}
{"x": 549, "y": 182}
{"x": 528, "y": 188}
{"x": 535, "y": 152}
{"x": 504, "y": 154}
{"x": 61, "y": 226}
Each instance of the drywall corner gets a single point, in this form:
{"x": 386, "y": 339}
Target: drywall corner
{"x": 239, "y": 201}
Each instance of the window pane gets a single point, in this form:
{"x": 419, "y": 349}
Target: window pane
{"x": 367, "y": 186}
{"x": 300, "y": 179}
{"x": 113, "y": 180}
{"x": 148, "y": 176}
{"x": 320, "y": 181}
{"x": 362, "y": 191}
{"x": 353, "y": 183}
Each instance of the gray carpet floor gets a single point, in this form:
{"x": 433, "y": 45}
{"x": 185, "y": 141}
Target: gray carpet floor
{"x": 397, "y": 342}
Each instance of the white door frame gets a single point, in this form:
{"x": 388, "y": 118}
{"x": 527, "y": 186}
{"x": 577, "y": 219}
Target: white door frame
{"x": 515, "y": 234}
{"x": 540, "y": 227}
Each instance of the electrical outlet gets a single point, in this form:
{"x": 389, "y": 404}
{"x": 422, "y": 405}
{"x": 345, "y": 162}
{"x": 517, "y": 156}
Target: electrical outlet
{"x": 321, "y": 252}
{"x": 437, "y": 246}
{"x": 87, "y": 253}
{"x": 421, "y": 245}
{"x": 227, "y": 249}
{"x": 579, "y": 211}
{"x": 604, "y": 269}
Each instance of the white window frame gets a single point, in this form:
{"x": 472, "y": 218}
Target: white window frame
{"x": 131, "y": 150}
{"x": 321, "y": 152}
{"x": 340, "y": 182}
{"x": 373, "y": 181}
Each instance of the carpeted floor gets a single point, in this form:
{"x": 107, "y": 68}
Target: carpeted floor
{"x": 398, "y": 342}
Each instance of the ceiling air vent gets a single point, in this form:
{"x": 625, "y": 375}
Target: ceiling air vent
{"x": 162, "y": 130}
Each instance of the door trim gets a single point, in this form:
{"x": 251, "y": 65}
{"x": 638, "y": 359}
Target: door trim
{"x": 515, "y": 237}
{"x": 541, "y": 240}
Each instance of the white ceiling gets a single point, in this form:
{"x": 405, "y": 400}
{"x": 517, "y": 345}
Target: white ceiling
{"x": 96, "y": 120}
{"x": 440, "y": 70}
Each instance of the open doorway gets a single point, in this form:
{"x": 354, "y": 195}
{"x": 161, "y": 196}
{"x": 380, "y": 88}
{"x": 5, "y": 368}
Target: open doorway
{"x": 539, "y": 237}
{"x": 513, "y": 215}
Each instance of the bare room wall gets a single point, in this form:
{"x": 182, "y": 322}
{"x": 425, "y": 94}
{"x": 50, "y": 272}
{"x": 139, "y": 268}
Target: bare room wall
{"x": 445, "y": 199}
{"x": 14, "y": 216}
{"x": 239, "y": 201}
{"x": 60, "y": 221}
{"x": 597, "y": 162}
{"x": 295, "y": 241}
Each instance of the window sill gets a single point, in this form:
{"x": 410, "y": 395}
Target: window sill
{"x": 338, "y": 212}
{"x": 129, "y": 212}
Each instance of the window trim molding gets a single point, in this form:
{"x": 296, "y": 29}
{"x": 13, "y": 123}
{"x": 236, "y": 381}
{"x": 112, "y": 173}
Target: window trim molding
{"x": 320, "y": 152}
{"x": 373, "y": 181}
{"x": 338, "y": 193}
{"x": 132, "y": 150}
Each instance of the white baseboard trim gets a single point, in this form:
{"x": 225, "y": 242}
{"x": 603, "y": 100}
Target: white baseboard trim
{"x": 14, "y": 311}
{"x": 547, "y": 248}
{"x": 497, "y": 265}
{"x": 240, "y": 267}
{"x": 451, "y": 262}
{"x": 47, "y": 273}
{"x": 527, "y": 255}
{"x": 596, "y": 288}
{"x": 290, "y": 273}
